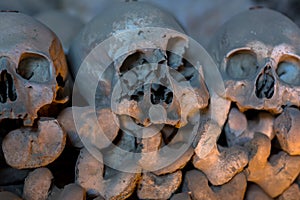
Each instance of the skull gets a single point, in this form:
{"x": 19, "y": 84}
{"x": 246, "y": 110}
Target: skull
{"x": 257, "y": 53}
{"x": 148, "y": 79}
{"x": 33, "y": 70}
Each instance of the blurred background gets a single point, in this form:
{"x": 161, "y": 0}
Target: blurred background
{"x": 199, "y": 18}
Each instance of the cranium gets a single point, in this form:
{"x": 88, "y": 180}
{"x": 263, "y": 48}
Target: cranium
{"x": 134, "y": 63}
{"x": 33, "y": 70}
{"x": 257, "y": 53}
{"x": 148, "y": 79}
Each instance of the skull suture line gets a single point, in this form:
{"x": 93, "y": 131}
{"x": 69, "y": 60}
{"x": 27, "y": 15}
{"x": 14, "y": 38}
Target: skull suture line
{"x": 258, "y": 55}
{"x": 33, "y": 70}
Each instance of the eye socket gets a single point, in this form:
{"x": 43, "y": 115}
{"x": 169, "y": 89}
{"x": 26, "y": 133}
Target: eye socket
{"x": 241, "y": 65}
{"x": 288, "y": 70}
{"x": 34, "y": 67}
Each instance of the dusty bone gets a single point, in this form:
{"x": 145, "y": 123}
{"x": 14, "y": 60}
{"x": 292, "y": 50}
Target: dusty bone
{"x": 158, "y": 161}
{"x": 263, "y": 124}
{"x": 184, "y": 101}
{"x": 32, "y": 148}
{"x": 286, "y": 127}
{"x": 158, "y": 165}
{"x": 158, "y": 187}
{"x": 124, "y": 155}
{"x": 196, "y": 184}
{"x": 98, "y": 131}
{"x": 211, "y": 126}
{"x": 37, "y": 184}
{"x": 150, "y": 147}
{"x": 235, "y": 126}
{"x": 131, "y": 17}
{"x": 220, "y": 165}
{"x": 272, "y": 83}
{"x": 66, "y": 121}
{"x": 136, "y": 43}
{"x": 9, "y": 196}
{"x": 90, "y": 176}
{"x": 239, "y": 129}
{"x": 292, "y": 193}
{"x": 33, "y": 66}
{"x": 69, "y": 192}
{"x": 177, "y": 164}
{"x": 273, "y": 176}
{"x": 182, "y": 140}
{"x": 254, "y": 192}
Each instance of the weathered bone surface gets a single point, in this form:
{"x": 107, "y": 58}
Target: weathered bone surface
{"x": 239, "y": 129}
{"x": 150, "y": 84}
{"x": 123, "y": 155}
{"x": 180, "y": 97}
{"x": 212, "y": 122}
{"x": 65, "y": 26}
{"x": 254, "y": 192}
{"x": 275, "y": 174}
{"x": 9, "y": 196}
{"x": 34, "y": 147}
{"x": 138, "y": 15}
{"x": 91, "y": 175}
{"x": 158, "y": 187}
{"x": 150, "y": 148}
{"x": 196, "y": 183}
{"x": 69, "y": 192}
{"x": 66, "y": 120}
{"x": 263, "y": 122}
{"x": 292, "y": 193}
{"x": 32, "y": 65}
{"x": 37, "y": 184}
{"x": 221, "y": 164}
{"x": 178, "y": 164}
{"x": 235, "y": 127}
{"x": 97, "y": 128}
{"x": 153, "y": 157}
{"x": 287, "y": 129}
{"x": 259, "y": 60}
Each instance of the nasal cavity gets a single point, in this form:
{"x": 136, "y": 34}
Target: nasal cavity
{"x": 265, "y": 84}
{"x": 160, "y": 94}
{"x": 7, "y": 87}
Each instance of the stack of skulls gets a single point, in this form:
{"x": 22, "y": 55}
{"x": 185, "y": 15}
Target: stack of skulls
{"x": 153, "y": 115}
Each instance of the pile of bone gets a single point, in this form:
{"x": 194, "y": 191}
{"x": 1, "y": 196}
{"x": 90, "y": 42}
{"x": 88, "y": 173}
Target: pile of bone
{"x": 245, "y": 144}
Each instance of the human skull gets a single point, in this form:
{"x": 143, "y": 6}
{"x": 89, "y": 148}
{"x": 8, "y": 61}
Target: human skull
{"x": 33, "y": 70}
{"x": 154, "y": 83}
{"x": 258, "y": 55}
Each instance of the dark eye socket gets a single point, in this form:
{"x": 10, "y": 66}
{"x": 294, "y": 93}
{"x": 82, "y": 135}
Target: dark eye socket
{"x": 241, "y": 64}
{"x": 34, "y": 67}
